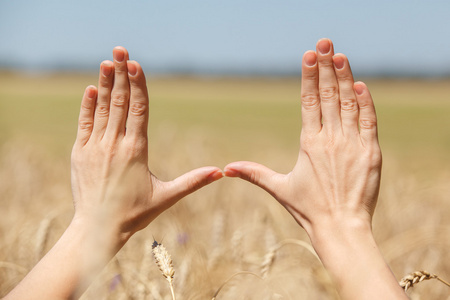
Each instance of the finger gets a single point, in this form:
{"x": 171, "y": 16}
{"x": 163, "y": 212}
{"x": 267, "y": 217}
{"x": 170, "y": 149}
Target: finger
{"x": 367, "y": 115}
{"x": 172, "y": 191}
{"x": 328, "y": 86}
{"x": 349, "y": 107}
{"x": 138, "y": 111}
{"x": 105, "y": 83}
{"x": 86, "y": 118}
{"x": 255, "y": 173}
{"x": 311, "y": 114}
{"x": 120, "y": 94}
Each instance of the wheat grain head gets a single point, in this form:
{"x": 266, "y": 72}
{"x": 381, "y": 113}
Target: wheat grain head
{"x": 418, "y": 276}
{"x": 164, "y": 263}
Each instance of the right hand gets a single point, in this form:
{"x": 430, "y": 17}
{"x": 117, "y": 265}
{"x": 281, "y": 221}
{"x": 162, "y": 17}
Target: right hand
{"x": 110, "y": 173}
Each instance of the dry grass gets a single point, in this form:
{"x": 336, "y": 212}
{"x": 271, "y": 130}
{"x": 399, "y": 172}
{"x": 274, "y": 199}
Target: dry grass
{"x": 230, "y": 226}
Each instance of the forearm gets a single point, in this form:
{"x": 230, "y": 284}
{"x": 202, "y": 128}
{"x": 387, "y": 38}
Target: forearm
{"x": 349, "y": 253}
{"x": 67, "y": 269}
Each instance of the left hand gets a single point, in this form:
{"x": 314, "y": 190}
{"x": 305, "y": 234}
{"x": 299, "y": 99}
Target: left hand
{"x": 336, "y": 179}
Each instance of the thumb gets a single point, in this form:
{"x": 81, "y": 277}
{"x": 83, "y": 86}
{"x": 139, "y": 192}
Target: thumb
{"x": 255, "y": 173}
{"x": 174, "y": 190}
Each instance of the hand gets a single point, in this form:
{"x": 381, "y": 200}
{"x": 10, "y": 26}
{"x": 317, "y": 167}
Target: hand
{"x": 332, "y": 190}
{"x": 110, "y": 175}
{"x": 336, "y": 178}
{"x": 114, "y": 192}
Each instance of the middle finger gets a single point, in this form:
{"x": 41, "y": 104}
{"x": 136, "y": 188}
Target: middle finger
{"x": 328, "y": 86}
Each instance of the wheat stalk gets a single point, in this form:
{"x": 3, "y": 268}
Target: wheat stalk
{"x": 42, "y": 237}
{"x": 164, "y": 262}
{"x": 269, "y": 258}
{"x": 236, "y": 245}
{"x": 231, "y": 277}
{"x": 13, "y": 266}
{"x": 218, "y": 230}
{"x": 418, "y": 276}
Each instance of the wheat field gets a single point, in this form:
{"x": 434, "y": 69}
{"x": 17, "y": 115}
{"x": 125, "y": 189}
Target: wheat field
{"x": 230, "y": 226}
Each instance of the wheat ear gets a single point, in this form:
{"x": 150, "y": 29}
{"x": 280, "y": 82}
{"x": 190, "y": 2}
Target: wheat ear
{"x": 231, "y": 277}
{"x": 418, "y": 276}
{"x": 164, "y": 262}
{"x": 269, "y": 258}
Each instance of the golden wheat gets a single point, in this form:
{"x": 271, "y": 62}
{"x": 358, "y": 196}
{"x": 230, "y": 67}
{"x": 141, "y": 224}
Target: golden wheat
{"x": 230, "y": 278}
{"x": 34, "y": 177}
{"x": 418, "y": 276}
{"x": 269, "y": 258}
{"x": 164, "y": 262}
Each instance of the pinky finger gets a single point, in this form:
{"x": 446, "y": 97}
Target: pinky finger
{"x": 367, "y": 115}
{"x": 86, "y": 118}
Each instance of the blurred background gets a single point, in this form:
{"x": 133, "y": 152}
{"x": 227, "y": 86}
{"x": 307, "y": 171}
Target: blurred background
{"x": 224, "y": 84}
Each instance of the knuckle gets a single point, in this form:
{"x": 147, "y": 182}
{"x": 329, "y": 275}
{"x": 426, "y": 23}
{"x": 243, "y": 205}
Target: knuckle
{"x": 121, "y": 69}
{"x": 194, "y": 184}
{"x": 310, "y": 141}
{"x": 102, "y": 110}
{"x": 364, "y": 104}
{"x": 326, "y": 62}
{"x": 348, "y": 104}
{"x": 374, "y": 157}
{"x": 137, "y": 81}
{"x": 328, "y": 94}
{"x": 310, "y": 101}
{"x": 86, "y": 105}
{"x": 377, "y": 158}
{"x": 136, "y": 147}
{"x": 109, "y": 149}
{"x": 119, "y": 99}
{"x": 105, "y": 83}
{"x": 344, "y": 76}
{"x": 85, "y": 125}
{"x": 368, "y": 123}
{"x": 254, "y": 177}
{"x": 138, "y": 109}
{"x": 310, "y": 75}
{"x": 306, "y": 142}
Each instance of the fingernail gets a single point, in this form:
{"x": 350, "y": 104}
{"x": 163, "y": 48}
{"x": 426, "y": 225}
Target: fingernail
{"x": 132, "y": 69}
{"x": 90, "y": 92}
{"x": 339, "y": 62}
{"x": 106, "y": 69}
{"x": 216, "y": 175}
{"x": 324, "y": 46}
{"x": 118, "y": 54}
{"x": 359, "y": 89}
{"x": 230, "y": 172}
{"x": 310, "y": 58}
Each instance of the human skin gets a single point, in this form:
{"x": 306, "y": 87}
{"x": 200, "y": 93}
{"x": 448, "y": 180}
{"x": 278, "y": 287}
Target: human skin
{"x": 114, "y": 193}
{"x": 333, "y": 188}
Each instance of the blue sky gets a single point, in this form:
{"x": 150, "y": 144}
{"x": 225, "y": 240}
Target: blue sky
{"x": 246, "y": 36}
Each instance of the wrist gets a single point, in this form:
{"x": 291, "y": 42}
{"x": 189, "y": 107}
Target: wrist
{"x": 350, "y": 254}
{"x": 105, "y": 232}
{"x": 337, "y": 240}
{"x": 339, "y": 230}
